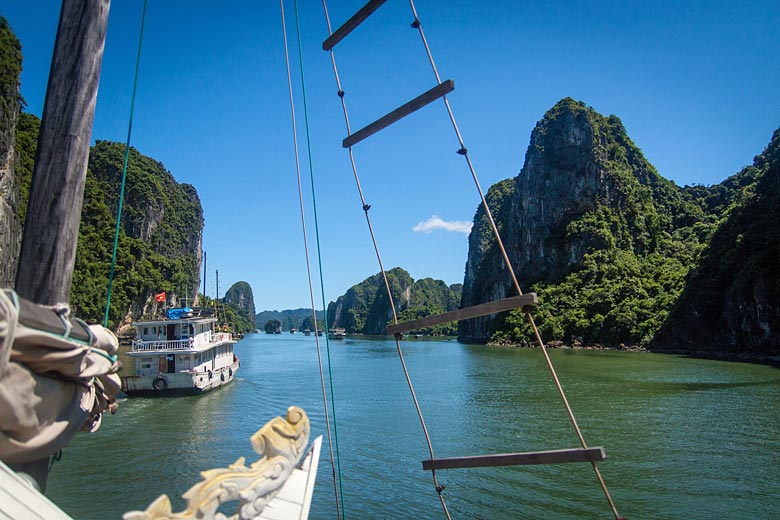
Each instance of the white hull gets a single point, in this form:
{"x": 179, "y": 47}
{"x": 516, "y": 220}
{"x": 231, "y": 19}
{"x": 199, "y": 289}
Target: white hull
{"x": 179, "y": 383}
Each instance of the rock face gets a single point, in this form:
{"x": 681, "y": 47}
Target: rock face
{"x": 241, "y": 298}
{"x": 10, "y": 225}
{"x": 620, "y": 255}
{"x": 161, "y": 228}
{"x": 365, "y": 308}
{"x": 578, "y": 162}
{"x": 732, "y": 300}
{"x": 160, "y": 241}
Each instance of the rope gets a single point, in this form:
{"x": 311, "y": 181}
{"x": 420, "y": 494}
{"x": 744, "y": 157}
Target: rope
{"x": 319, "y": 254}
{"x": 366, "y": 207}
{"x": 464, "y": 151}
{"x": 124, "y": 170}
{"x": 336, "y": 488}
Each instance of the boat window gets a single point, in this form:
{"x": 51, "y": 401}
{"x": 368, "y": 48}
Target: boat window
{"x": 146, "y": 331}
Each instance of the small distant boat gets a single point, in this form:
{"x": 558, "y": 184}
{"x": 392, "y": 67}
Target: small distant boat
{"x": 181, "y": 354}
{"x": 307, "y": 332}
{"x": 319, "y": 332}
{"x": 337, "y": 333}
{"x": 293, "y": 330}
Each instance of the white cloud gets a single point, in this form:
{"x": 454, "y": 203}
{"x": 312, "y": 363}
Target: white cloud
{"x": 436, "y": 222}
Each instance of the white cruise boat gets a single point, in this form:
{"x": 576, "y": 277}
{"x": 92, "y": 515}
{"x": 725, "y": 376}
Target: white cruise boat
{"x": 181, "y": 354}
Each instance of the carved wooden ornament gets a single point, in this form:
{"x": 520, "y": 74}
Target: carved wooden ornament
{"x": 281, "y": 444}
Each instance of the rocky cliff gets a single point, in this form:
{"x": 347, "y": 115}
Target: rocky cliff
{"x": 241, "y": 298}
{"x": 159, "y": 243}
{"x": 584, "y": 186}
{"x": 365, "y": 308}
{"x": 609, "y": 245}
{"x": 10, "y": 101}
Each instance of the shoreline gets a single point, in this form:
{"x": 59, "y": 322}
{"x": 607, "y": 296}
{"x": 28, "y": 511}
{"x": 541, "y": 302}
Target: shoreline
{"x": 741, "y": 357}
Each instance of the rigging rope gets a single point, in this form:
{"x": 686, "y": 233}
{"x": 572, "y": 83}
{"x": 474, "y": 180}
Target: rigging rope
{"x": 464, "y": 151}
{"x": 334, "y": 439}
{"x": 366, "y": 207}
{"x": 124, "y": 170}
{"x": 319, "y": 254}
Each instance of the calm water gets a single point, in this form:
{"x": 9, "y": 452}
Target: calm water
{"x": 685, "y": 438}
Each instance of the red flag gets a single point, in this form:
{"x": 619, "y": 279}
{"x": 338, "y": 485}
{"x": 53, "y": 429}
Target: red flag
{"x": 159, "y": 297}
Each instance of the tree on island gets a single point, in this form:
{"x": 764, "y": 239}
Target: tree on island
{"x": 273, "y": 327}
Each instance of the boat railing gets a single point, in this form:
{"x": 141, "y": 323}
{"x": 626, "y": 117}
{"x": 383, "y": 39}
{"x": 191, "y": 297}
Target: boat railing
{"x": 175, "y": 344}
{"x": 201, "y": 340}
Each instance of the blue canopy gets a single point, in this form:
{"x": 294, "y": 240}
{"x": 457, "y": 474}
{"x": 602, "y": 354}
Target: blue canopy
{"x": 177, "y": 314}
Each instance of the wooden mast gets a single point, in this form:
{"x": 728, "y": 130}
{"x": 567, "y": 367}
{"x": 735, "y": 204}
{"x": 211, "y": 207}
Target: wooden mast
{"x": 51, "y": 228}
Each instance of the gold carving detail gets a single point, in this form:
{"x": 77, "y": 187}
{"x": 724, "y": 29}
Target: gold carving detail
{"x": 280, "y": 443}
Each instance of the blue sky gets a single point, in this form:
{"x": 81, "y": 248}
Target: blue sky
{"x": 695, "y": 84}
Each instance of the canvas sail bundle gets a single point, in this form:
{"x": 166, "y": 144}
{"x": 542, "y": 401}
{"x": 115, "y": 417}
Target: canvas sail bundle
{"x": 58, "y": 375}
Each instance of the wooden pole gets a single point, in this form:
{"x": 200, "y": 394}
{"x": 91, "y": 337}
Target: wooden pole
{"x": 51, "y": 228}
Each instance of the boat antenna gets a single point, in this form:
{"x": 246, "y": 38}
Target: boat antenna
{"x": 205, "y": 272}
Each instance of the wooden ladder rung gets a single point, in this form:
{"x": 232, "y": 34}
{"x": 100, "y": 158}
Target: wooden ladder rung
{"x": 518, "y": 459}
{"x": 482, "y": 309}
{"x": 443, "y": 88}
{"x": 358, "y": 18}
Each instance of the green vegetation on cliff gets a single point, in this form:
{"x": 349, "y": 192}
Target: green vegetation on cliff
{"x": 10, "y": 67}
{"x": 159, "y": 237}
{"x": 732, "y": 299}
{"x": 27, "y": 128}
{"x": 229, "y": 315}
{"x": 241, "y": 299}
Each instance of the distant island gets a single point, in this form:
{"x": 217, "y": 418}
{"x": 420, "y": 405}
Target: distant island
{"x": 299, "y": 319}
{"x": 365, "y": 309}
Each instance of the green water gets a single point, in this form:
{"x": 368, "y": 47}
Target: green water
{"x": 685, "y": 438}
